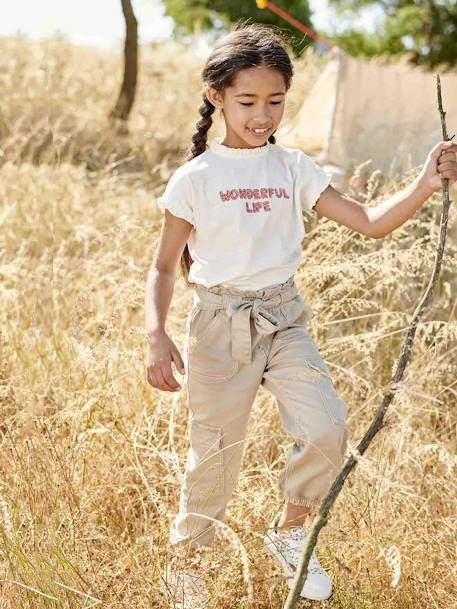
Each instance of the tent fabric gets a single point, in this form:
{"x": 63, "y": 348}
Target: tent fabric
{"x": 360, "y": 110}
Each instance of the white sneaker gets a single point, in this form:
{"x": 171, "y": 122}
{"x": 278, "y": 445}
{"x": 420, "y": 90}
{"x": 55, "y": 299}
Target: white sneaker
{"x": 286, "y": 545}
{"x": 187, "y": 588}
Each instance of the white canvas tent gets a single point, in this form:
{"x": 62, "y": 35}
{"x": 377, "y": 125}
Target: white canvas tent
{"x": 360, "y": 110}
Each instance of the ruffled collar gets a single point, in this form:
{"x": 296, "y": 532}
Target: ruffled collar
{"x": 239, "y": 153}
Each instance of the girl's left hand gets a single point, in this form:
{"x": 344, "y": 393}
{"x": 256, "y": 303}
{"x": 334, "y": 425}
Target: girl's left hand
{"x": 441, "y": 163}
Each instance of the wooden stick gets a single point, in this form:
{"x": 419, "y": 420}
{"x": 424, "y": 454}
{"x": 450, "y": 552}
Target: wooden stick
{"x": 377, "y": 424}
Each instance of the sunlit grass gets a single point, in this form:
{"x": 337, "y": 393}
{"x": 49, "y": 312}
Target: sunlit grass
{"x": 91, "y": 456}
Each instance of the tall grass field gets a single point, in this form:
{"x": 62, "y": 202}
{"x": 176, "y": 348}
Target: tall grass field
{"x": 92, "y": 456}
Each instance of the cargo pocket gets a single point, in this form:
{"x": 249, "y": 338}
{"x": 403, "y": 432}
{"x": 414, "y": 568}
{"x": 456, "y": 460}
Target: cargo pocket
{"x": 205, "y": 468}
{"x": 322, "y": 381}
{"x": 209, "y": 348}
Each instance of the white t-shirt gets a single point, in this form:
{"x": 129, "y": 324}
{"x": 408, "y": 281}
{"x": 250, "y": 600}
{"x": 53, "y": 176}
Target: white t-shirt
{"x": 245, "y": 205}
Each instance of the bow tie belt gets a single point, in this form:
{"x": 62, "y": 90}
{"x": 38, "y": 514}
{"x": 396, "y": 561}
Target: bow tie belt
{"x": 265, "y": 322}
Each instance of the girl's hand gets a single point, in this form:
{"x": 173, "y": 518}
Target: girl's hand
{"x": 161, "y": 352}
{"x": 441, "y": 163}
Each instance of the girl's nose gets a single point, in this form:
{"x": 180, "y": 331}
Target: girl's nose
{"x": 262, "y": 120}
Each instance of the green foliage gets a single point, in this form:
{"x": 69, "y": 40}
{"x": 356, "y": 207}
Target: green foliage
{"x": 195, "y": 15}
{"x": 426, "y": 29}
{"x": 358, "y": 43}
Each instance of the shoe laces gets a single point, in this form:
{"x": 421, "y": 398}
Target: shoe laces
{"x": 294, "y": 553}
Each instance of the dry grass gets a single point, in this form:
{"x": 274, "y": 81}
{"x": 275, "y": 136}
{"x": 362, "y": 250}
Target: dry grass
{"x": 91, "y": 456}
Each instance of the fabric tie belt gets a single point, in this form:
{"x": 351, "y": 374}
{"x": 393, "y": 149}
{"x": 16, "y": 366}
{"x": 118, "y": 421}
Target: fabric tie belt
{"x": 266, "y": 321}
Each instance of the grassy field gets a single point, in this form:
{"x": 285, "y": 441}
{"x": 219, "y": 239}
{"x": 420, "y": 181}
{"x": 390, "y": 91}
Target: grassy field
{"x": 91, "y": 456}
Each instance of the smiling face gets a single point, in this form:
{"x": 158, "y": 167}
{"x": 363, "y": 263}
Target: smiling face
{"x": 254, "y": 102}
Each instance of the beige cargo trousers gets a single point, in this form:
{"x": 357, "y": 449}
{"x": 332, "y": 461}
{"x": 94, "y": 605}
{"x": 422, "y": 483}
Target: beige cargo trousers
{"x": 236, "y": 341}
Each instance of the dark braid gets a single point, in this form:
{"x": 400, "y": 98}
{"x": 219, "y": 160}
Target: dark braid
{"x": 248, "y": 45}
{"x": 200, "y": 137}
{"x": 199, "y": 140}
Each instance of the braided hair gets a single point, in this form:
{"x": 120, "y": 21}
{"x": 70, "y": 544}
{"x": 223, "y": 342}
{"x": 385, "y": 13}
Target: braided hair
{"x": 246, "y": 46}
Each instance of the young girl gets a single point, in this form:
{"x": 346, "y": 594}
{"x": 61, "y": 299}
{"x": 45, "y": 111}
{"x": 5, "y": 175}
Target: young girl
{"x": 233, "y": 216}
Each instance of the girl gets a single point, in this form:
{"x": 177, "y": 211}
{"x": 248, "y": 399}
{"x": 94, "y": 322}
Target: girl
{"x": 233, "y": 216}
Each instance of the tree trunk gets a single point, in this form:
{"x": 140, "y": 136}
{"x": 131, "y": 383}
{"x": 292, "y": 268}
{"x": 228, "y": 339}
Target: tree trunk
{"x": 127, "y": 93}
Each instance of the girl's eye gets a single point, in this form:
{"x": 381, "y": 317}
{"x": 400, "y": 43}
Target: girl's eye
{"x": 250, "y": 103}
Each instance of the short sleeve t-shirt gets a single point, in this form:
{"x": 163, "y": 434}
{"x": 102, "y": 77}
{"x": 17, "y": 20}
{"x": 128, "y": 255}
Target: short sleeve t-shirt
{"x": 245, "y": 206}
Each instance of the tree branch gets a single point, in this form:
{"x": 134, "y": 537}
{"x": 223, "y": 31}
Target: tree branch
{"x": 377, "y": 424}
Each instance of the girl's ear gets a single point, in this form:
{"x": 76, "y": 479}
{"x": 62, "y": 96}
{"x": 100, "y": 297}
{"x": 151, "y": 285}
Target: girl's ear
{"x": 214, "y": 97}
